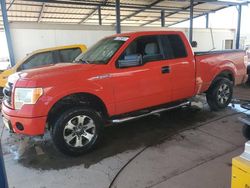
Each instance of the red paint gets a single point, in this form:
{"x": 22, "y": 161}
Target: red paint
{"x": 32, "y": 126}
{"x": 122, "y": 90}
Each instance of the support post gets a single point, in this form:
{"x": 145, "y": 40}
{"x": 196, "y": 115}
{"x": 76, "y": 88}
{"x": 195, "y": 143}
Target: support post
{"x": 100, "y": 15}
{"x": 207, "y": 20}
{"x": 118, "y": 18}
{"x": 3, "y": 177}
{"x": 162, "y": 18}
{"x": 41, "y": 13}
{"x": 238, "y": 27}
{"x": 191, "y": 20}
{"x": 7, "y": 32}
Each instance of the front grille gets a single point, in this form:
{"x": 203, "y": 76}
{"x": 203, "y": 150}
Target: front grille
{"x": 7, "y": 91}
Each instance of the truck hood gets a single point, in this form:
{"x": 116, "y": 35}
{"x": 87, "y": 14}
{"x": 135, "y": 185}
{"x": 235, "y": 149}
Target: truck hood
{"x": 47, "y": 76}
{"x": 55, "y": 70}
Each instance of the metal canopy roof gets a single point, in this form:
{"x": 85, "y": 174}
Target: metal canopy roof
{"x": 133, "y": 12}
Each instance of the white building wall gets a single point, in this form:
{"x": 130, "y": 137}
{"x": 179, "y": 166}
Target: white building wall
{"x": 28, "y": 37}
{"x": 213, "y": 39}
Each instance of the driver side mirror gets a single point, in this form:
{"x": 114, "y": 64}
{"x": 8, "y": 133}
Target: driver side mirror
{"x": 130, "y": 61}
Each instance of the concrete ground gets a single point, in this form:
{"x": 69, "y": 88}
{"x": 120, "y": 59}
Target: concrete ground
{"x": 189, "y": 147}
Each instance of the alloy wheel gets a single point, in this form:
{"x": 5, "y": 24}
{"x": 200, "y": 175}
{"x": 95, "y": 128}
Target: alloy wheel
{"x": 223, "y": 94}
{"x": 79, "y": 131}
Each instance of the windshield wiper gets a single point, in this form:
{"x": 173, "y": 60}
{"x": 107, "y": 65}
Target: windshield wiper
{"x": 98, "y": 62}
{"x": 82, "y": 61}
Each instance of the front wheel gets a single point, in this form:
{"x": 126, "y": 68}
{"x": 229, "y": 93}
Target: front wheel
{"x": 220, "y": 94}
{"x": 77, "y": 131}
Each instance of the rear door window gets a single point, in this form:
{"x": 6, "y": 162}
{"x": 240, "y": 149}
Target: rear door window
{"x": 69, "y": 55}
{"x": 174, "y": 47}
{"x": 38, "y": 60}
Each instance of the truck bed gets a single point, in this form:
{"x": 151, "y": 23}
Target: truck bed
{"x": 211, "y": 63}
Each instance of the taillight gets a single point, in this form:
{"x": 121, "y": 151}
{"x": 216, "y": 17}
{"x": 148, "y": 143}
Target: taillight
{"x": 246, "y": 60}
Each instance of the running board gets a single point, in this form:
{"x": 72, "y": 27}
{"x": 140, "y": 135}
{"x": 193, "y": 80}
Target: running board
{"x": 150, "y": 113}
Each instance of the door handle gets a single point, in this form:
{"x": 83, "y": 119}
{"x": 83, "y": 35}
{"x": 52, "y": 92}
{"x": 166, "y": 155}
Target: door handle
{"x": 165, "y": 70}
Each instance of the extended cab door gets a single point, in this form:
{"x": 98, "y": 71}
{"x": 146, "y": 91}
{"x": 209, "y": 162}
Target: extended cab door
{"x": 180, "y": 60}
{"x": 141, "y": 86}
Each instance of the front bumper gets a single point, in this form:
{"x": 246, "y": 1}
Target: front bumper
{"x": 32, "y": 126}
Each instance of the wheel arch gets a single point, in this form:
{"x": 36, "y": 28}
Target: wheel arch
{"x": 223, "y": 74}
{"x": 76, "y": 99}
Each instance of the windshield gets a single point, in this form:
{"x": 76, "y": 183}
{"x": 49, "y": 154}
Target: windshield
{"x": 102, "y": 51}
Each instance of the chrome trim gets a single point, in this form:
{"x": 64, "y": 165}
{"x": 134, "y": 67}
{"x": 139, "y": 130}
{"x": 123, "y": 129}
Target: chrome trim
{"x": 80, "y": 133}
{"x": 7, "y": 93}
{"x": 150, "y": 113}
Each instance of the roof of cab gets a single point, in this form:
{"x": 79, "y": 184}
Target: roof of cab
{"x": 141, "y": 33}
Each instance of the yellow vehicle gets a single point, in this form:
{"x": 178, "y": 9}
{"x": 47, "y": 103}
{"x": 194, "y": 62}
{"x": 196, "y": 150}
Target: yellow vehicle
{"x": 44, "y": 57}
{"x": 241, "y": 169}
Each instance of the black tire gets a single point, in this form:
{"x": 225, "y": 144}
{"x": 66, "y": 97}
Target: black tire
{"x": 218, "y": 99}
{"x": 246, "y": 131}
{"x": 58, "y": 131}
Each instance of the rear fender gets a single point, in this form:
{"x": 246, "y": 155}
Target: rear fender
{"x": 221, "y": 69}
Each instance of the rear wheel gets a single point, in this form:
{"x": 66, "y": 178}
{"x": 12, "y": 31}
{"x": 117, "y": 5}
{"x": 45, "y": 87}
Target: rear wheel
{"x": 77, "y": 131}
{"x": 220, "y": 94}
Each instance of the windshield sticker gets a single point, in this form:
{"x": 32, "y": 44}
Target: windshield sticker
{"x": 121, "y": 38}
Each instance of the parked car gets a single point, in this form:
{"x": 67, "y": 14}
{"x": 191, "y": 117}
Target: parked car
{"x": 241, "y": 169}
{"x": 122, "y": 77}
{"x": 43, "y": 57}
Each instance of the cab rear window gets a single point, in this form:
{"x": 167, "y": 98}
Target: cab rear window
{"x": 173, "y": 46}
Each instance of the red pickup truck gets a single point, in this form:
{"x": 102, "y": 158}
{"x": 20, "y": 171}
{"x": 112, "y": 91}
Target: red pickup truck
{"x": 120, "y": 78}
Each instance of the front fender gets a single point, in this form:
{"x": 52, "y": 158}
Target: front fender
{"x": 54, "y": 94}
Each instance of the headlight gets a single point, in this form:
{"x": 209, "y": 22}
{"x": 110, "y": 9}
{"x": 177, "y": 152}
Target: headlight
{"x": 26, "y": 96}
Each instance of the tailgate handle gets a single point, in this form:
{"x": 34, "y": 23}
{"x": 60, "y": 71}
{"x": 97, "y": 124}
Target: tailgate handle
{"x": 165, "y": 70}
